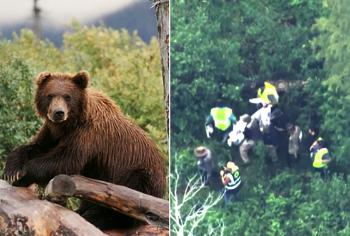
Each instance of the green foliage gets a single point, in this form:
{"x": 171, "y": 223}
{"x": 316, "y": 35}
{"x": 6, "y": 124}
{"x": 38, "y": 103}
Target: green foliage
{"x": 17, "y": 121}
{"x": 218, "y": 46}
{"x": 120, "y": 64}
{"x": 289, "y": 203}
{"x": 333, "y": 47}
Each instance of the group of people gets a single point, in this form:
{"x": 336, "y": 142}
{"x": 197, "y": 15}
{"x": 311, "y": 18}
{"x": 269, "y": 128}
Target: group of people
{"x": 230, "y": 175}
{"x": 268, "y": 123}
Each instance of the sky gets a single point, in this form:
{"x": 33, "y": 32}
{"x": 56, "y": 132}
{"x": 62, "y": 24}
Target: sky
{"x": 59, "y": 12}
{"x": 56, "y": 15}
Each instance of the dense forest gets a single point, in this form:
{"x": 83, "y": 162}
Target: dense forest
{"x": 218, "y": 48}
{"x": 120, "y": 64}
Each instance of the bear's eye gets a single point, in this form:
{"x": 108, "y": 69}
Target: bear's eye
{"x": 67, "y": 97}
{"x": 49, "y": 97}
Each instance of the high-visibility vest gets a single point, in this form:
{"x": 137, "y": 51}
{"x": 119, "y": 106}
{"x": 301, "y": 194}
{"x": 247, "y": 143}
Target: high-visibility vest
{"x": 269, "y": 90}
{"x": 235, "y": 180}
{"x": 221, "y": 116}
{"x": 317, "y": 163}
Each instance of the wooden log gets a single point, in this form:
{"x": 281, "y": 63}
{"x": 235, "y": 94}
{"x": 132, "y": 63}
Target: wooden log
{"x": 154, "y": 211}
{"x": 22, "y": 213}
{"x": 144, "y": 230}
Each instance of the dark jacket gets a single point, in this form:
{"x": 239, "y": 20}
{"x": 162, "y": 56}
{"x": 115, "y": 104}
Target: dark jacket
{"x": 277, "y": 130}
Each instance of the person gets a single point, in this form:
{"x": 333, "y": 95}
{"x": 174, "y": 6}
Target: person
{"x": 231, "y": 179}
{"x": 313, "y": 129}
{"x": 220, "y": 121}
{"x": 272, "y": 124}
{"x": 320, "y": 157}
{"x": 242, "y": 136}
{"x": 295, "y": 137}
{"x": 314, "y": 123}
{"x": 279, "y": 133}
{"x": 272, "y": 121}
{"x": 266, "y": 94}
{"x": 205, "y": 163}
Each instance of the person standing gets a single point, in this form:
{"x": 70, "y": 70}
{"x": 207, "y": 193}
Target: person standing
{"x": 274, "y": 133}
{"x": 220, "y": 121}
{"x": 313, "y": 129}
{"x": 205, "y": 163}
{"x": 242, "y": 136}
{"x": 295, "y": 137}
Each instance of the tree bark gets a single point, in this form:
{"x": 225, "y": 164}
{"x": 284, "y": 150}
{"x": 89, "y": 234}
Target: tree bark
{"x": 144, "y": 230}
{"x": 154, "y": 211}
{"x": 162, "y": 13}
{"x": 22, "y": 213}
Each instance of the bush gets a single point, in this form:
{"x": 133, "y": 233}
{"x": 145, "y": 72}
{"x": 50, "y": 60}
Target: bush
{"x": 290, "y": 203}
{"x": 17, "y": 120}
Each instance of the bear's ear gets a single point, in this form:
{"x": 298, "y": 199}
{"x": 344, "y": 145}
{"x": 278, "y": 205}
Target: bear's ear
{"x": 81, "y": 79}
{"x": 42, "y": 77}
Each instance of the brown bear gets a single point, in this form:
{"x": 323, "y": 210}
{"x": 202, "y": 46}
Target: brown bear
{"x": 85, "y": 133}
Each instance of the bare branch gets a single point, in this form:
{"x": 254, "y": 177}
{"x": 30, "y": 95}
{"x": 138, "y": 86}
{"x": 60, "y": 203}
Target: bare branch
{"x": 185, "y": 219}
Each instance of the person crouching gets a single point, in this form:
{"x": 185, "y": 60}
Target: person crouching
{"x": 320, "y": 157}
{"x": 231, "y": 179}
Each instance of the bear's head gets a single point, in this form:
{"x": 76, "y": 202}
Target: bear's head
{"x": 61, "y": 97}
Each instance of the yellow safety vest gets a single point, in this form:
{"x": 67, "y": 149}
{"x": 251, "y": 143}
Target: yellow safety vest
{"x": 269, "y": 90}
{"x": 221, "y": 117}
{"x": 318, "y": 158}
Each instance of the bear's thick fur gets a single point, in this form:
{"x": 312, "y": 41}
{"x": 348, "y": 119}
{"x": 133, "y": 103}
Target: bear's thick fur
{"x": 86, "y": 133}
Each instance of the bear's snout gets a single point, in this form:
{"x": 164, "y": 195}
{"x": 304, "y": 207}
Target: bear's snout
{"x": 58, "y": 110}
{"x": 58, "y": 114}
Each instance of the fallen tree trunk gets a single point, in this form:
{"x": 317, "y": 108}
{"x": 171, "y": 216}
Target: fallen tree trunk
{"x": 22, "y": 213}
{"x": 154, "y": 211}
{"x": 144, "y": 230}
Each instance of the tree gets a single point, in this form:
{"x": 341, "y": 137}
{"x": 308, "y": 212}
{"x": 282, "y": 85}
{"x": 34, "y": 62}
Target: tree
{"x": 217, "y": 46}
{"x": 333, "y": 46}
{"x": 162, "y": 13}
